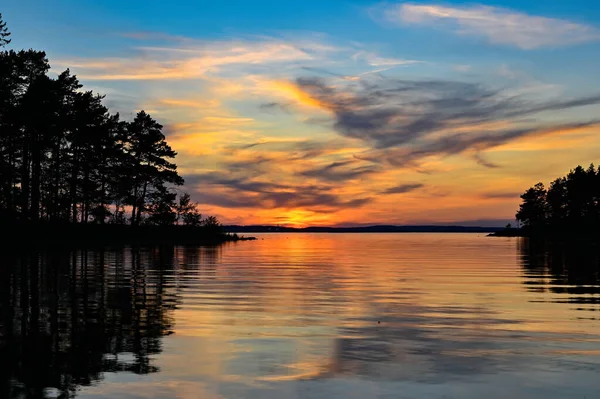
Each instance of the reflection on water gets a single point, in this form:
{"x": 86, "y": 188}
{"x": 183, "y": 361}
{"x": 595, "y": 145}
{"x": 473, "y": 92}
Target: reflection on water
{"x": 571, "y": 272}
{"x": 304, "y": 316}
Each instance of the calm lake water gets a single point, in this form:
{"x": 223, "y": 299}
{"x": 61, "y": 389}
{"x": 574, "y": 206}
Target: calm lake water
{"x": 304, "y": 316}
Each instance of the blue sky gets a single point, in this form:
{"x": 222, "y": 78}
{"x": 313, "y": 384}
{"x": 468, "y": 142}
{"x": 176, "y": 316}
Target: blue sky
{"x": 334, "y": 112}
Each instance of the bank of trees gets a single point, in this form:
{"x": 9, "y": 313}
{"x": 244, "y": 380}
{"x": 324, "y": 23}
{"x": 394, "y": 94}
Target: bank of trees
{"x": 65, "y": 158}
{"x": 571, "y": 203}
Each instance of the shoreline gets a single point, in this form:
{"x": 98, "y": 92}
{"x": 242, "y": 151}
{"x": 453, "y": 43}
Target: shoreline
{"x": 509, "y": 233}
{"x": 66, "y": 235}
{"x": 550, "y": 236}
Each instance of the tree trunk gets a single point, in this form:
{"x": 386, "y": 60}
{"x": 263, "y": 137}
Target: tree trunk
{"x": 73, "y": 188}
{"x": 103, "y": 197}
{"x": 10, "y": 178}
{"x": 142, "y": 202}
{"x": 134, "y": 205}
{"x": 85, "y": 196}
{"x": 53, "y": 209}
{"x": 36, "y": 171}
{"x": 25, "y": 180}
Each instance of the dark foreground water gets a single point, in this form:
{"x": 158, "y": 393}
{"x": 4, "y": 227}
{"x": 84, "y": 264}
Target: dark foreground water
{"x": 304, "y": 316}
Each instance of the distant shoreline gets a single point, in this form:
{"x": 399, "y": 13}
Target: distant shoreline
{"x": 362, "y": 229}
{"x": 509, "y": 233}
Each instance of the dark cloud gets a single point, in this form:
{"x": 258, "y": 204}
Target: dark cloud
{"x": 247, "y": 193}
{"x": 410, "y": 154}
{"x": 275, "y": 106}
{"x": 423, "y": 118}
{"x": 403, "y": 188}
{"x": 340, "y": 171}
{"x": 222, "y": 179}
{"x": 249, "y": 168}
{"x": 296, "y": 150}
{"x": 247, "y": 146}
{"x": 501, "y": 195}
{"x": 484, "y": 162}
{"x": 322, "y": 71}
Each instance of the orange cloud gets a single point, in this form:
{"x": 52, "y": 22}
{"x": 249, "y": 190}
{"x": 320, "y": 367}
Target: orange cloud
{"x": 295, "y": 165}
{"x": 202, "y": 104}
{"x": 554, "y": 139}
{"x": 227, "y": 120}
{"x": 291, "y": 92}
{"x": 191, "y": 61}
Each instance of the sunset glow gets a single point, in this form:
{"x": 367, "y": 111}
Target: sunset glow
{"x": 418, "y": 114}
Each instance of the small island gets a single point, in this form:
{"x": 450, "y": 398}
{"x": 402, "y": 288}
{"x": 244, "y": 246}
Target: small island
{"x": 569, "y": 209}
{"x": 73, "y": 172}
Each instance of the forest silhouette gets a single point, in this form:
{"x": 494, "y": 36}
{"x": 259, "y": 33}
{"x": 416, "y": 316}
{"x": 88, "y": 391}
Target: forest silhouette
{"x": 569, "y": 207}
{"x": 66, "y": 161}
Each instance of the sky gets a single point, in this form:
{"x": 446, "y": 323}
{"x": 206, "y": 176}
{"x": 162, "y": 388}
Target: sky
{"x": 343, "y": 112}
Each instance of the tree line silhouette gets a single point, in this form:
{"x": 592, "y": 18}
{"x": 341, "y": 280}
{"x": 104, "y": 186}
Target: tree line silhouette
{"x": 64, "y": 158}
{"x": 571, "y": 204}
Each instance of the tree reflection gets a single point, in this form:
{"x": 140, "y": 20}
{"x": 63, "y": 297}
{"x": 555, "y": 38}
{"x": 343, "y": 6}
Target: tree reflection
{"x": 67, "y": 318}
{"x": 570, "y": 271}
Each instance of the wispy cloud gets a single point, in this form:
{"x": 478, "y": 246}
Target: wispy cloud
{"x": 497, "y": 25}
{"x": 501, "y": 195}
{"x": 341, "y": 171}
{"x": 378, "y": 61}
{"x": 403, "y": 188}
{"x": 188, "y": 60}
{"x": 247, "y": 192}
{"x": 405, "y": 122}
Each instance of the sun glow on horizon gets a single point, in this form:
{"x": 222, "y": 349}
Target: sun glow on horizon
{"x": 320, "y": 127}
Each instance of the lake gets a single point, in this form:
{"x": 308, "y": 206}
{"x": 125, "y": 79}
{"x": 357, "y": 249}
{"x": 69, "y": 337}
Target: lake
{"x": 304, "y": 316}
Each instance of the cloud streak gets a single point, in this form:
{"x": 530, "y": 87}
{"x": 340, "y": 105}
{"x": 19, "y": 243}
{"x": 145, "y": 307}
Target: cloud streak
{"x": 501, "y": 195}
{"x": 406, "y": 121}
{"x": 341, "y": 171}
{"x": 403, "y": 188}
{"x": 497, "y": 25}
{"x": 377, "y": 61}
{"x": 247, "y": 192}
{"x": 191, "y": 60}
